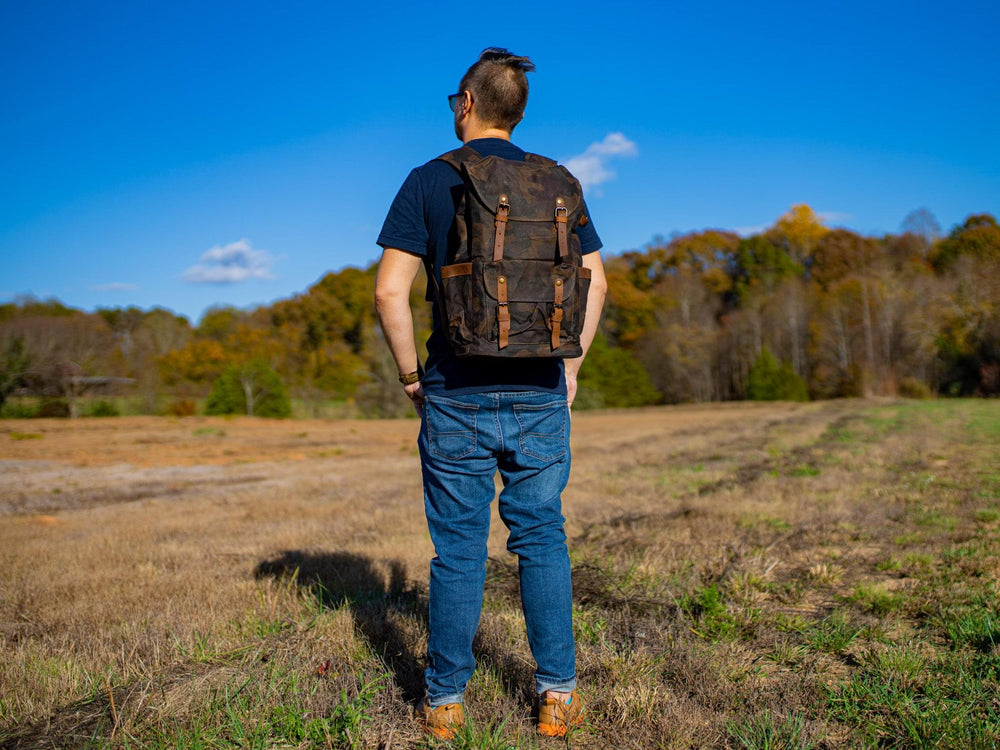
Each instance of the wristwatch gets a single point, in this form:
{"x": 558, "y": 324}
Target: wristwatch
{"x": 410, "y": 377}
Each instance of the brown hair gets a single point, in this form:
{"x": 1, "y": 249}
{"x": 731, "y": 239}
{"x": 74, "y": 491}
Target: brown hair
{"x": 499, "y": 87}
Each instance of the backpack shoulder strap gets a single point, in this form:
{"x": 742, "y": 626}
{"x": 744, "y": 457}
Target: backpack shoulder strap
{"x": 458, "y": 156}
{"x": 466, "y": 153}
{"x": 538, "y": 159}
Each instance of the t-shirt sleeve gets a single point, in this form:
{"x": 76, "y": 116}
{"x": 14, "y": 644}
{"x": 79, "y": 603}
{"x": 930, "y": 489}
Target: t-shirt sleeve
{"x": 404, "y": 226}
{"x": 589, "y": 241}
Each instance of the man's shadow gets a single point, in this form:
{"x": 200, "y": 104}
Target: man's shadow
{"x": 376, "y": 601}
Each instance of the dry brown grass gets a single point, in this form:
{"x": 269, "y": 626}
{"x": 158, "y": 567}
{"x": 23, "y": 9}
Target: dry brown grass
{"x": 160, "y": 575}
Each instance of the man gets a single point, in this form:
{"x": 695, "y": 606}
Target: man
{"x": 483, "y": 416}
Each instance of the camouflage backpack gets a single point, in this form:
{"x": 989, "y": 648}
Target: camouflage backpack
{"x": 514, "y": 285}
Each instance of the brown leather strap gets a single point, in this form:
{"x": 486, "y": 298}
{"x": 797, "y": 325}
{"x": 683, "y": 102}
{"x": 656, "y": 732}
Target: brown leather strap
{"x": 503, "y": 311}
{"x": 458, "y": 269}
{"x": 557, "y": 314}
{"x": 503, "y": 209}
{"x": 561, "y": 220}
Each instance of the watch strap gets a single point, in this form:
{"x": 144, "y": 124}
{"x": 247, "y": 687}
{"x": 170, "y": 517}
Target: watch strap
{"x": 410, "y": 377}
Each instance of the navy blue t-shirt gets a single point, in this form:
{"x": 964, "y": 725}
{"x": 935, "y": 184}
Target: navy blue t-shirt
{"x": 418, "y": 222}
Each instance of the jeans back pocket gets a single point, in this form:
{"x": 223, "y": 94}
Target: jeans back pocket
{"x": 451, "y": 427}
{"x": 543, "y": 429}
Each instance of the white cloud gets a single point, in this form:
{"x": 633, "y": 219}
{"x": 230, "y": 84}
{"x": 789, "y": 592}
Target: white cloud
{"x": 748, "y": 231}
{"x": 833, "y": 217}
{"x": 230, "y": 264}
{"x": 114, "y": 286}
{"x": 591, "y": 167}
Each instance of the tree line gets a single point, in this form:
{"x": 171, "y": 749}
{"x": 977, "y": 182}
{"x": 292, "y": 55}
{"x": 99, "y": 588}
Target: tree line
{"x": 797, "y": 310}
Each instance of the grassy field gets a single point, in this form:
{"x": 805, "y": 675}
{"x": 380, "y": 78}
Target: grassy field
{"x": 816, "y": 575}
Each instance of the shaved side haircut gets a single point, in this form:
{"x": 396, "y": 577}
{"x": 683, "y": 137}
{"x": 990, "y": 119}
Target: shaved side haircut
{"x": 499, "y": 87}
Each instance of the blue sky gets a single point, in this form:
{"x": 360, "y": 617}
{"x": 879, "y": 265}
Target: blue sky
{"x": 186, "y": 154}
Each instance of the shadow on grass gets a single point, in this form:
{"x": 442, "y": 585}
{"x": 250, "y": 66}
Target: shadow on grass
{"x": 380, "y": 597}
{"x": 376, "y": 601}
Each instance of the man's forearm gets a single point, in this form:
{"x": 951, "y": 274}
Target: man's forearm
{"x": 397, "y": 325}
{"x": 392, "y": 304}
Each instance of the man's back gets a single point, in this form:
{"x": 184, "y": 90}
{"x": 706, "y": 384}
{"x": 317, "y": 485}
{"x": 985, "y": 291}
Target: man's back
{"x": 420, "y": 222}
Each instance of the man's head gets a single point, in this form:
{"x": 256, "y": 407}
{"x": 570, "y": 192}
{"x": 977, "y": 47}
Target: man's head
{"x": 494, "y": 91}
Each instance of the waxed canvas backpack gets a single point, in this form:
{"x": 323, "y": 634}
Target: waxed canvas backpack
{"x": 515, "y": 285}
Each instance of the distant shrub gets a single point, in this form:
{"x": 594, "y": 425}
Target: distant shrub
{"x": 53, "y": 407}
{"x": 913, "y": 388}
{"x": 252, "y": 388}
{"x": 613, "y": 377}
{"x": 182, "y": 407}
{"x": 18, "y": 409}
{"x": 770, "y": 380}
{"x": 104, "y": 409}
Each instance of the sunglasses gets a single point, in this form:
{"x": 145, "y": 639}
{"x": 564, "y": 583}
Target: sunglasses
{"x": 453, "y": 100}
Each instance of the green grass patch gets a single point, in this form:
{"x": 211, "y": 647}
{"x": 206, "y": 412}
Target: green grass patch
{"x": 841, "y": 435}
{"x": 832, "y": 634}
{"x": 987, "y": 515}
{"x": 875, "y": 599}
{"x": 933, "y": 518}
{"x": 883, "y": 423}
{"x": 976, "y": 626}
{"x": 712, "y": 620}
{"x": 589, "y": 627}
{"x": 984, "y": 420}
{"x": 475, "y": 736}
{"x": 217, "y": 431}
{"x": 270, "y": 711}
{"x": 918, "y": 560}
{"x": 750, "y": 521}
{"x": 895, "y": 701}
{"x": 25, "y": 435}
{"x": 908, "y": 539}
{"x": 771, "y": 731}
{"x": 889, "y": 565}
{"x": 904, "y": 664}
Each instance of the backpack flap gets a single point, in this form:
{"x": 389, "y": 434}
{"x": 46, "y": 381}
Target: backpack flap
{"x": 531, "y": 187}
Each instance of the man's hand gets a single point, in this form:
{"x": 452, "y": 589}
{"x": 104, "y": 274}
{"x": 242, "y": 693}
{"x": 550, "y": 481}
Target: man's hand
{"x": 570, "y": 388}
{"x": 415, "y": 392}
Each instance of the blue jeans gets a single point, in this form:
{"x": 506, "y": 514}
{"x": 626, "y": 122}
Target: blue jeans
{"x": 464, "y": 440}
